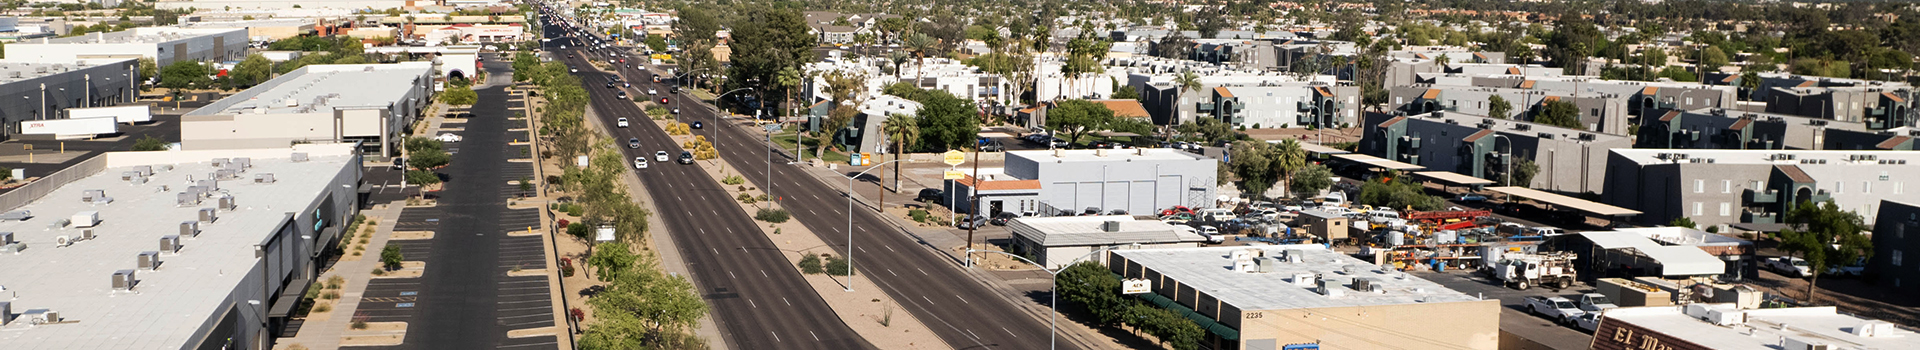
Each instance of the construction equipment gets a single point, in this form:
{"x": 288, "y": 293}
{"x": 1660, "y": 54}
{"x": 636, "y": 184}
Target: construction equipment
{"x": 1522, "y": 270}
{"x": 1445, "y": 216}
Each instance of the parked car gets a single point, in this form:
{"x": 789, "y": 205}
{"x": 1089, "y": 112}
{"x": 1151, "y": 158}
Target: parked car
{"x": 686, "y": 157}
{"x": 1588, "y": 322}
{"x": 1595, "y": 302}
{"x": 448, "y": 138}
{"x": 1471, "y": 198}
{"x": 1556, "y": 308}
{"x": 622, "y": 122}
{"x": 1854, "y": 269}
{"x": 1117, "y": 212}
{"x": 972, "y": 222}
{"x": 1002, "y": 218}
{"x": 928, "y": 194}
{"x": 639, "y": 162}
{"x": 1789, "y": 266}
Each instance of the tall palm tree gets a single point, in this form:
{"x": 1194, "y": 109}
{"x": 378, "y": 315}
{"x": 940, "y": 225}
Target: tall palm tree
{"x": 898, "y": 58}
{"x": 904, "y": 130}
{"x": 788, "y": 80}
{"x": 1187, "y": 81}
{"x": 1288, "y": 158}
{"x": 921, "y": 44}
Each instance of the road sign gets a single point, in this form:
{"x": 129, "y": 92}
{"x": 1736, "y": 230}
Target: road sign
{"x": 1135, "y": 286}
{"x": 955, "y": 157}
{"x": 953, "y": 175}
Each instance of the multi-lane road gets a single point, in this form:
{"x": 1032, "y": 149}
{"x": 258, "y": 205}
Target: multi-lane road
{"x": 958, "y": 306}
{"x": 757, "y": 298}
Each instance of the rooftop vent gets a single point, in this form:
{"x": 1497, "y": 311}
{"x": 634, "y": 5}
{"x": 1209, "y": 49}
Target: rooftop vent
{"x": 190, "y": 229}
{"x": 17, "y": 215}
{"x": 1110, "y": 226}
{"x": 299, "y": 157}
{"x": 1368, "y": 285}
{"x": 145, "y": 170}
{"x": 225, "y": 203}
{"x": 1330, "y": 287}
{"x": 1874, "y": 329}
{"x": 170, "y": 244}
{"x": 6, "y": 238}
{"x": 220, "y": 162}
{"x": 208, "y": 214}
{"x": 86, "y": 234}
{"x": 149, "y": 260}
{"x": 263, "y": 178}
{"x": 86, "y": 219}
{"x": 243, "y": 162}
{"x": 188, "y": 198}
{"x": 124, "y": 280}
{"x": 1305, "y": 279}
{"x": 39, "y": 316}
{"x": 6, "y": 312}
{"x": 226, "y": 174}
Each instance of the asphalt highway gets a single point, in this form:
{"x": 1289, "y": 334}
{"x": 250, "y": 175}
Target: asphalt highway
{"x": 757, "y": 298}
{"x": 956, "y": 305}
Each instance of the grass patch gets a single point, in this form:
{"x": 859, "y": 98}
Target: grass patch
{"x": 785, "y": 140}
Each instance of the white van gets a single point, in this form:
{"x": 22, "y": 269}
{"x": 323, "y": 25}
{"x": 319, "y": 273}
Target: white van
{"x": 1217, "y": 214}
{"x": 1335, "y": 199}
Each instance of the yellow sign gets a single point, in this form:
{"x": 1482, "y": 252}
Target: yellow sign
{"x": 954, "y": 175}
{"x": 955, "y": 157}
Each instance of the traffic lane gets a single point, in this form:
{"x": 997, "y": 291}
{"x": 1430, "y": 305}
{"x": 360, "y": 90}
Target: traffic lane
{"x": 936, "y": 294}
{"x": 1513, "y": 315}
{"x": 742, "y": 238}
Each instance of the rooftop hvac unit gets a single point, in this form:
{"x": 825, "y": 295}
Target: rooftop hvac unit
{"x": 129, "y": 175}
{"x": 1305, "y": 279}
{"x": 299, "y": 157}
{"x": 149, "y": 260}
{"x": 86, "y": 234}
{"x": 39, "y": 316}
{"x": 208, "y": 214}
{"x": 1869, "y": 329}
{"x": 263, "y": 178}
{"x": 6, "y": 312}
{"x": 166, "y": 167}
{"x": 1266, "y": 265}
{"x": 1369, "y": 285}
{"x": 208, "y": 184}
{"x": 62, "y": 241}
{"x": 1804, "y": 344}
{"x": 6, "y": 237}
{"x": 197, "y": 191}
{"x": 243, "y": 162}
{"x": 1110, "y": 226}
{"x": 226, "y": 174}
{"x": 123, "y": 280}
{"x": 220, "y": 162}
{"x": 188, "y": 198}
{"x": 145, "y": 170}
{"x": 1329, "y": 287}
{"x": 93, "y": 196}
{"x": 17, "y": 215}
{"x": 225, "y": 203}
{"x": 59, "y": 224}
{"x": 86, "y": 219}
{"x": 190, "y": 229}
{"x": 140, "y": 180}
{"x": 1353, "y": 269}
{"x": 170, "y": 244}
{"x": 1296, "y": 255}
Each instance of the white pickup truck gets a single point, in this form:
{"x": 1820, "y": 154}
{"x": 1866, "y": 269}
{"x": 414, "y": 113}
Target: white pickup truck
{"x": 1559, "y": 309}
{"x": 1790, "y": 266}
{"x": 1595, "y": 302}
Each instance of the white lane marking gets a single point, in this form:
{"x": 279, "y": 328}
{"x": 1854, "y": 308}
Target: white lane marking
{"x": 963, "y": 300}
{"x": 763, "y": 273}
{"x": 975, "y": 336}
{"x": 784, "y": 300}
{"x": 929, "y": 300}
{"x": 716, "y": 251}
{"x": 862, "y": 249}
{"x": 923, "y": 272}
{"x": 890, "y": 272}
{"x": 730, "y": 274}
{"x": 1010, "y": 332}
{"x": 816, "y": 337}
{"x": 776, "y": 336}
{"x": 890, "y": 249}
{"x": 750, "y": 302}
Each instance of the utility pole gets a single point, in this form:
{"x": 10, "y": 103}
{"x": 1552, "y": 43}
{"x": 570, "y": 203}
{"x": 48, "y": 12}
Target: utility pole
{"x": 973, "y": 191}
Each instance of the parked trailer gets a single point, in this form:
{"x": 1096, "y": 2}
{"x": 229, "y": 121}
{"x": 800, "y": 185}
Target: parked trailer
{"x": 1444, "y": 215}
{"x": 69, "y": 128}
{"x": 120, "y": 114}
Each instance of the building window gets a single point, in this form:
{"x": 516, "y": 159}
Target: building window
{"x": 1895, "y": 259}
{"x": 1699, "y": 186}
{"x": 1726, "y": 186}
{"x": 1699, "y": 208}
{"x": 1726, "y": 209}
{"x": 1839, "y": 187}
{"x": 1689, "y": 101}
{"x": 1866, "y": 187}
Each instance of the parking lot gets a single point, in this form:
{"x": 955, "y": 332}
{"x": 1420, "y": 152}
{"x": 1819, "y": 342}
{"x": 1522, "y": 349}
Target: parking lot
{"x": 1513, "y": 315}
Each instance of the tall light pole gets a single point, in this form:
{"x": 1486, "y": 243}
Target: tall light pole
{"x": 850, "y": 215}
{"x": 1053, "y": 295}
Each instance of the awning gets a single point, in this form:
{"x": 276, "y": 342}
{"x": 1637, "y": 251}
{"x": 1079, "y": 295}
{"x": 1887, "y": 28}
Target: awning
{"x": 1583, "y": 205}
{"x": 289, "y": 298}
{"x": 1377, "y": 162}
{"x": 1616, "y": 240}
{"x": 1453, "y": 178}
{"x": 1684, "y": 260}
{"x": 1313, "y": 148}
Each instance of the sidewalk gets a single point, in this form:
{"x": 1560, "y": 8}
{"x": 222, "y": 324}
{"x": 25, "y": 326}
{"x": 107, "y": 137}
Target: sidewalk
{"x": 324, "y": 330}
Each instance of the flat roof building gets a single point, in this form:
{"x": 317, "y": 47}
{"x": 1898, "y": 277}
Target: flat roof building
{"x": 120, "y": 253}
{"x": 1060, "y": 241}
{"x": 164, "y": 45}
{"x": 1267, "y": 297}
{"x": 367, "y": 103}
{"x": 1716, "y": 187}
{"x": 1139, "y": 181}
{"x": 263, "y": 30}
{"x": 41, "y": 90}
{"x": 1723, "y": 327}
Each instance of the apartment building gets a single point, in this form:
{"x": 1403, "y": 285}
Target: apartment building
{"x": 1484, "y": 147}
{"x": 1715, "y": 187}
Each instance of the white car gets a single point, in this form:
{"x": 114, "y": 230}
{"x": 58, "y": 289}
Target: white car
{"x": 661, "y": 156}
{"x": 639, "y": 162}
{"x": 447, "y": 138}
{"x": 622, "y": 122}
{"x": 650, "y": 91}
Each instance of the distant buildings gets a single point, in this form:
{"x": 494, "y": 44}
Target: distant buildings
{"x": 367, "y": 103}
{"x": 1273, "y": 297}
{"x": 164, "y": 45}
{"x": 263, "y": 30}
{"x": 36, "y": 90}
{"x": 1294, "y": 104}
{"x": 1876, "y": 104}
{"x": 1715, "y": 187}
{"x": 1728, "y": 129}
{"x": 1569, "y": 160}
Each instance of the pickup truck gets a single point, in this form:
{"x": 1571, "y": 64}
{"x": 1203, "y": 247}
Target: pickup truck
{"x": 1588, "y": 322}
{"x": 1854, "y": 269}
{"x": 1595, "y": 302}
{"x": 1559, "y": 309}
{"x": 1790, "y": 266}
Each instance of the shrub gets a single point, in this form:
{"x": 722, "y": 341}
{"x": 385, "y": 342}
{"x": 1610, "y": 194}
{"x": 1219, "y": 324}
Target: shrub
{"x": 771, "y": 215}
{"x": 359, "y": 324}
{"x": 330, "y": 295}
{"x": 322, "y": 307}
{"x": 733, "y": 180}
{"x": 554, "y": 179}
{"x": 744, "y": 198}
{"x": 422, "y": 177}
{"x": 390, "y": 256}
{"x": 838, "y": 266}
{"x": 919, "y": 215}
{"x": 149, "y": 143}
{"x": 578, "y": 230}
{"x": 810, "y": 264}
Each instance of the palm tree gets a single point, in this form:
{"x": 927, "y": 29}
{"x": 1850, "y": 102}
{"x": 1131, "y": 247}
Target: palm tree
{"x": 899, "y": 58}
{"x": 1289, "y": 157}
{"x": 920, "y": 43}
{"x": 904, "y": 130}
{"x": 788, "y": 80}
{"x": 1187, "y": 81}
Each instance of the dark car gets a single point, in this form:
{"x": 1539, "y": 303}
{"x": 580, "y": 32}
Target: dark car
{"x": 1471, "y": 198}
{"x": 698, "y": 125}
{"x": 633, "y": 142}
{"x": 1117, "y": 212}
{"x": 1092, "y": 211}
{"x": 1002, "y": 218}
{"x": 673, "y": 90}
{"x": 399, "y": 163}
{"x": 686, "y": 157}
{"x": 928, "y": 194}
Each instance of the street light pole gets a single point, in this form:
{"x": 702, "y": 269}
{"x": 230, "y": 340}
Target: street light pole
{"x": 1053, "y": 295}
{"x": 850, "y": 215}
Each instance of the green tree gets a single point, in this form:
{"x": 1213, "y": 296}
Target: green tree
{"x": 148, "y": 69}
{"x": 1654, "y": 57}
{"x": 1125, "y": 93}
{"x": 766, "y": 41}
{"x": 1498, "y": 107}
{"x": 1683, "y": 221}
{"x": 1311, "y": 180}
{"x": 612, "y": 260}
{"x": 1077, "y": 118}
{"x": 390, "y": 257}
{"x": 460, "y": 95}
{"x": 1749, "y": 81}
{"x": 149, "y": 143}
{"x": 837, "y": 120}
{"x": 1288, "y": 158}
{"x": 1523, "y": 172}
{"x": 1398, "y": 192}
{"x": 184, "y": 74}
{"x": 1252, "y": 164}
{"x": 1712, "y": 58}
{"x": 643, "y": 308}
{"x": 253, "y": 70}
{"x": 428, "y": 160}
{"x": 1172, "y": 329}
{"x": 903, "y": 131}
{"x": 1093, "y": 287}
{"x": 921, "y": 45}
{"x": 1824, "y": 235}
{"x": 1559, "y": 113}
{"x": 947, "y": 122}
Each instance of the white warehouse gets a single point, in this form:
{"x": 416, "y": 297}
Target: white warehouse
{"x": 366, "y": 103}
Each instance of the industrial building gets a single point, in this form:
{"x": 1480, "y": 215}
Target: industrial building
{"x": 1891, "y": 245}
{"x": 40, "y": 91}
{"x": 263, "y": 30}
{"x": 165, "y": 45}
{"x": 1274, "y": 297}
{"x": 1722, "y": 326}
{"x": 371, "y": 104}
{"x": 1060, "y": 241}
{"x": 1717, "y": 187}
{"x": 171, "y": 250}
{"x": 1139, "y": 181}
{"x": 1483, "y": 147}
{"x": 1630, "y": 254}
